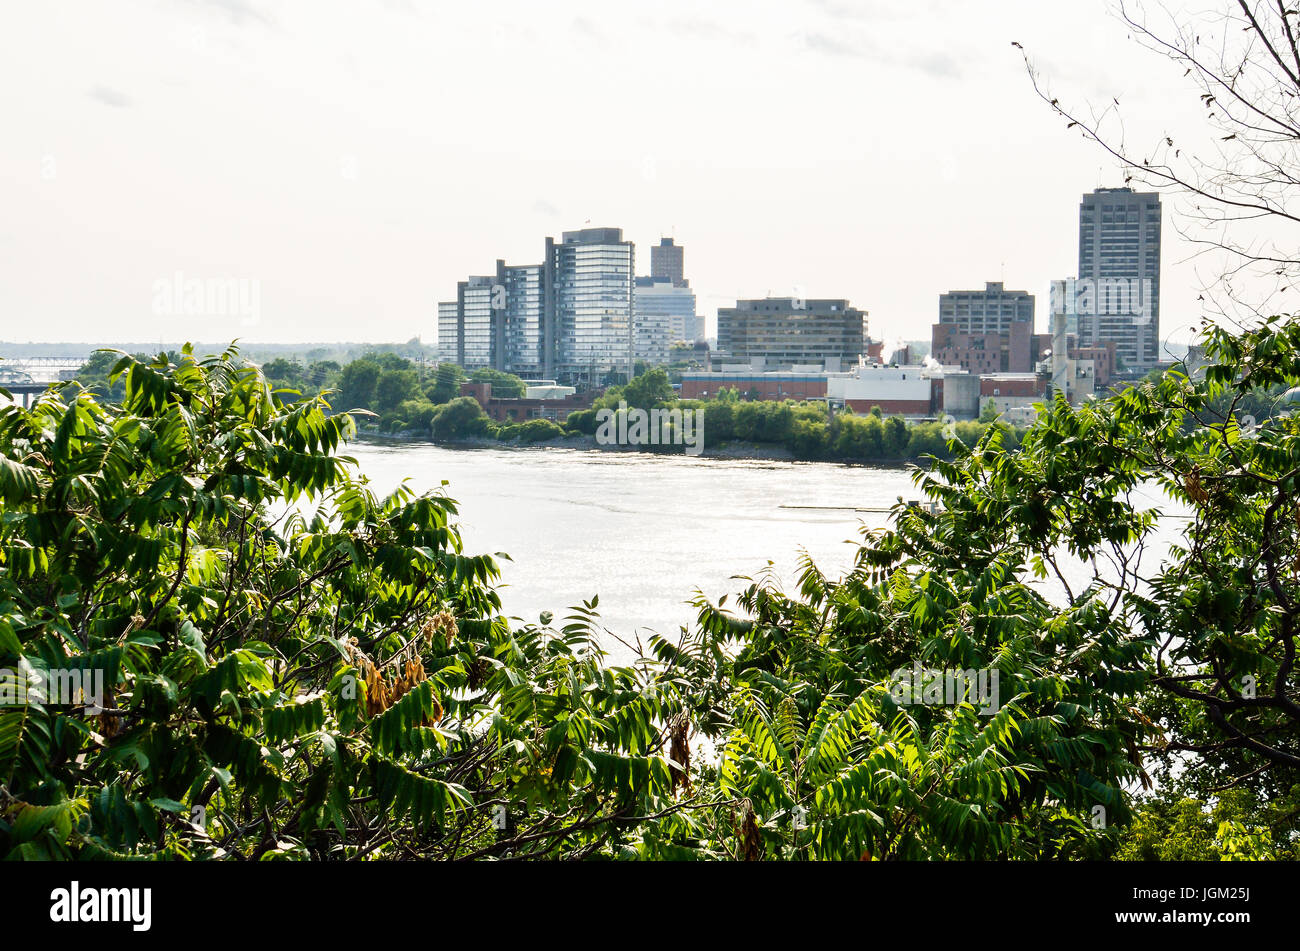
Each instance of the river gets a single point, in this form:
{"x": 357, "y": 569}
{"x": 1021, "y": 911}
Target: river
{"x": 643, "y": 531}
{"x": 640, "y": 530}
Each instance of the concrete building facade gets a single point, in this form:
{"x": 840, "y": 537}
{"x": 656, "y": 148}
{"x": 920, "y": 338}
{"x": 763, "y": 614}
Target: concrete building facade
{"x": 665, "y": 315}
{"x": 1014, "y": 395}
{"x": 449, "y": 340}
{"x": 897, "y": 390}
{"x": 519, "y": 410}
{"x": 782, "y": 332}
{"x": 918, "y": 392}
{"x": 755, "y": 385}
{"x": 988, "y": 331}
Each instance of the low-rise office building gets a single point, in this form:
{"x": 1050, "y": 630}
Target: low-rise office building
{"x": 544, "y": 405}
{"x": 779, "y": 333}
{"x": 1007, "y": 352}
{"x": 917, "y": 392}
{"x": 1014, "y": 395}
{"x": 897, "y": 390}
{"x": 988, "y": 331}
{"x": 807, "y": 384}
{"x": 665, "y": 315}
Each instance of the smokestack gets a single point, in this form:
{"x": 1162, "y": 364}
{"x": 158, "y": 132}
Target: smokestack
{"x": 1060, "y": 361}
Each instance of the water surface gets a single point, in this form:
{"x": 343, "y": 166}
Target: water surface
{"x": 642, "y": 531}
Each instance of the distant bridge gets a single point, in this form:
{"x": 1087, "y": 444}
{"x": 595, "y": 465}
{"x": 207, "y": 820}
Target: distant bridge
{"x": 27, "y": 388}
{"x": 29, "y": 377}
{"x": 73, "y": 363}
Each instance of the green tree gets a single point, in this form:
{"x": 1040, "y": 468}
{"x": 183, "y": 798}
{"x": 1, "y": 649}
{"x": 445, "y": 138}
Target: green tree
{"x": 927, "y": 439}
{"x": 649, "y": 390}
{"x": 808, "y": 439}
{"x": 94, "y": 375}
{"x": 896, "y": 437}
{"x": 323, "y": 373}
{"x": 446, "y": 383}
{"x": 860, "y": 438}
{"x": 388, "y": 360}
{"x": 539, "y": 430}
{"x": 1216, "y": 633}
{"x": 357, "y": 383}
{"x": 504, "y": 385}
{"x": 1221, "y": 614}
{"x": 1171, "y": 827}
{"x": 833, "y": 762}
{"x": 582, "y": 421}
{"x": 414, "y": 415}
{"x": 460, "y": 418}
{"x": 394, "y": 387}
{"x": 719, "y": 420}
{"x": 336, "y": 684}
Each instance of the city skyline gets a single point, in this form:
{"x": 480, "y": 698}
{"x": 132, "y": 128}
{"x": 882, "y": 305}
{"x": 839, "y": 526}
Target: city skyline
{"x": 583, "y": 310}
{"x": 332, "y": 162}
{"x": 1114, "y": 303}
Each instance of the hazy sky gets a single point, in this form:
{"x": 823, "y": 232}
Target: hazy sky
{"x": 352, "y": 161}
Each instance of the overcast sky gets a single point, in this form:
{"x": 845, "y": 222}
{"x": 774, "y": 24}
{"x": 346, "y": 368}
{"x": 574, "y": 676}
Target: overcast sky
{"x": 356, "y": 159}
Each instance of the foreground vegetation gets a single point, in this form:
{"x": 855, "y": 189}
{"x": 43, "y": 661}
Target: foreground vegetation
{"x": 296, "y": 667}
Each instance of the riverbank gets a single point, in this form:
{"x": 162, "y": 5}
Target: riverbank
{"x": 733, "y": 449}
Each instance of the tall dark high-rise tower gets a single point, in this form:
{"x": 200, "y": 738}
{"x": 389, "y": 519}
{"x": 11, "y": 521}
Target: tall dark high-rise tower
{"x": 666, "y": 262}
{"x": 1118, "y": 294}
